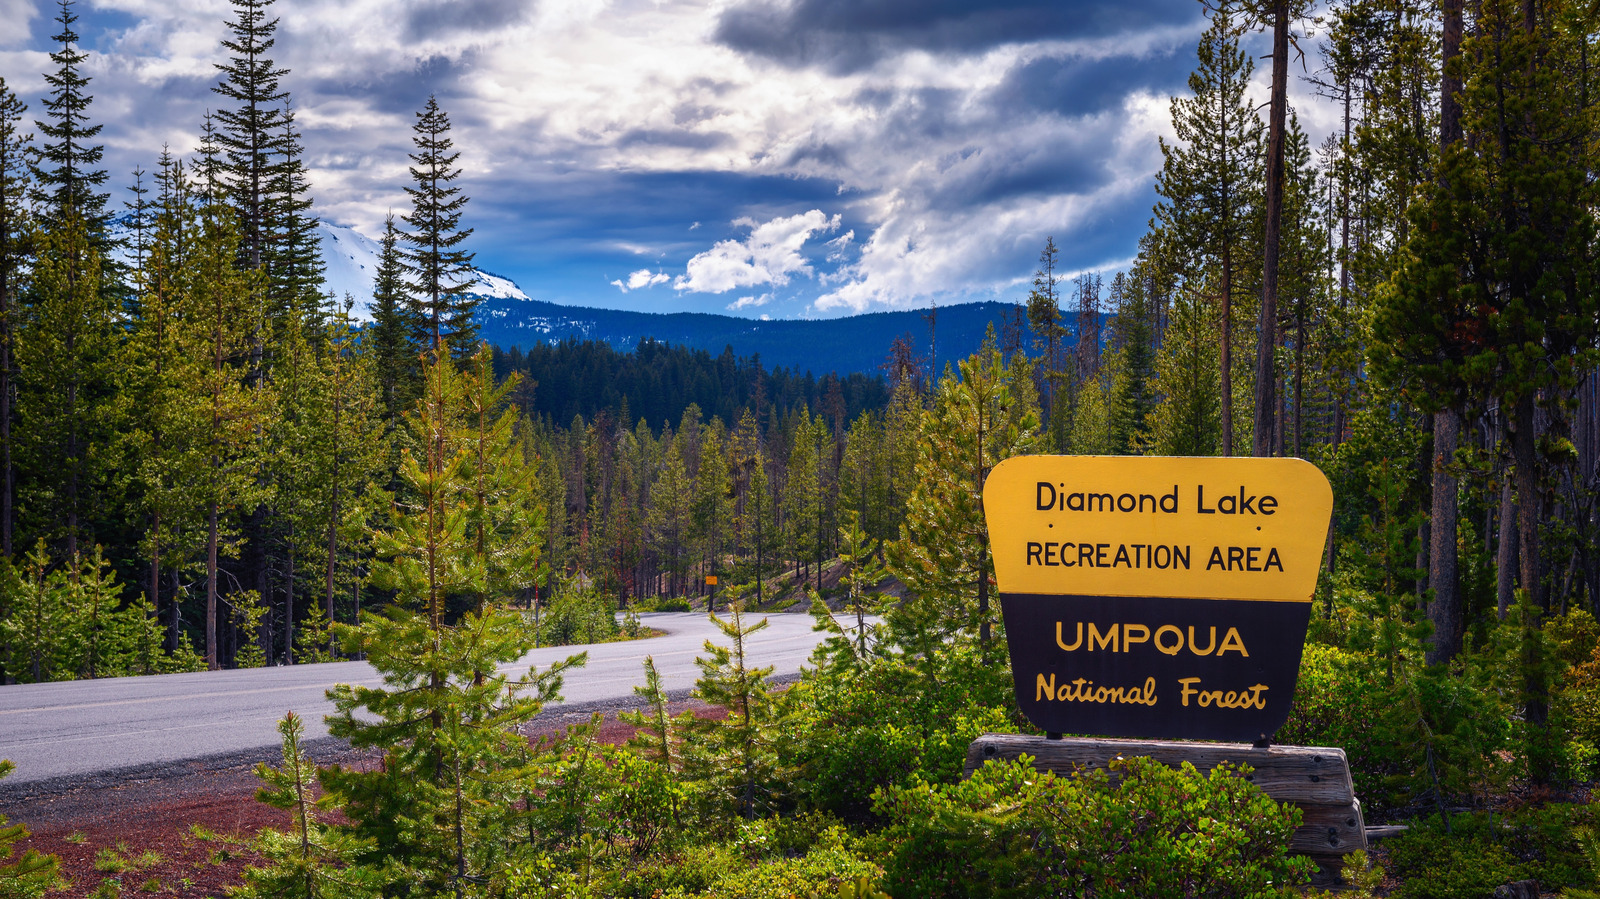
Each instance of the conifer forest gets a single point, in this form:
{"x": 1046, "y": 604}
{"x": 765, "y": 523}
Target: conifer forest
{"x": 209, "y": 462}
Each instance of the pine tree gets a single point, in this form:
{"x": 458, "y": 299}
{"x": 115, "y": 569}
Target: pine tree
{"x": 218, "y": 339}
{"x": 504, "y": 518}
{"x": 67, "y": 345}
{"x": 348, "y": 450}
{"x": 1049, "y": 334}
{"x": 669, "y": 518}
{"x": 1207, "y": 180}
{"x": 737, "y": 755}
{"x": 394, "y": 353}
{"x": 248, "y": 137}
{"x": 979, "y": 417}
{"x": 440, "y": 272}
{"x": 294, "y": 255}
{"x": 442, "y": 804}
{"x": 14, "y": 251}
{"x": 713, "y": 502}
{"x": 1498, "y": 300}
{"x": 311, "y": 859}
{"x": 658, "y": 734}
{"x": 758, "y": 518}
{"x": 802, "y": 494}
{"x": 1132, "y": 392}
{"x": 1186, "y": 423}
{"x": 38, "y": 629}
{"x": 165, "y": 420}
{"x": 1280, "y": 12}
{"x": 65, "y": 177}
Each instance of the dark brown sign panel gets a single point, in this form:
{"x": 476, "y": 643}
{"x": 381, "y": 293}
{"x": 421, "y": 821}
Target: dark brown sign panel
{"x": 1155, "y": 667}
{"x": 1156, "y": 597}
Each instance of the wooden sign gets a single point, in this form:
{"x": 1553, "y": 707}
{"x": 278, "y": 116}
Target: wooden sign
{"x": 1156, "y": 597}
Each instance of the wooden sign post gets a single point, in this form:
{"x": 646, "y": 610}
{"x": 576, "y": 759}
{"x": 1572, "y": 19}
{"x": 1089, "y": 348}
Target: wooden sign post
{"x": 1166, "y": 598}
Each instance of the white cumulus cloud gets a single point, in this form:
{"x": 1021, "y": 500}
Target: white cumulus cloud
{"x": 641, "y": 278}
{"x": 749, "y": 302}
{"x": 768, "y": 256}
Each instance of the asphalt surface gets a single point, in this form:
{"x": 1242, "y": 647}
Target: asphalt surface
{"x": 78, "y": 729}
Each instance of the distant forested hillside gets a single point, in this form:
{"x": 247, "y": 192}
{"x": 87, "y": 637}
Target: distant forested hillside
{"x": 657, "y": 382}
{"x": 858, "y": 343}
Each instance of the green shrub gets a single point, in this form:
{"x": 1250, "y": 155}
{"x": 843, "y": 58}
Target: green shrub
{"x": 1011, "y": 832}
{"x": 689, "y": 872}
{"x": 1480, "y": 851}
{"x": 661, "y": 604}
{"x": 824, "y": 869}
{"x": 1388, "y": 726}
{"x": 858, "y": 730}
{"x": 577, "y": 616}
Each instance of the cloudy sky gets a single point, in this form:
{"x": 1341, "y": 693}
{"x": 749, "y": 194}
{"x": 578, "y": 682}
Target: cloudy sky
{"x": 759, "y": 157}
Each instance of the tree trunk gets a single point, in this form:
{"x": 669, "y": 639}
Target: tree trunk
{"x": 1227, "y": 350}
{"x": 1445, "y": 609}
{"x": 1267, "y": 324}
{"x": 1506, "y": 552}
{"x": 211, "y": 586}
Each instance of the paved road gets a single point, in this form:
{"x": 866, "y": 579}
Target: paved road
{"x": 85, "y": 727}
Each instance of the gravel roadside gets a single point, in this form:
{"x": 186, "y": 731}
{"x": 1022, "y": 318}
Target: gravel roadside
{"x": 184, "y": 830}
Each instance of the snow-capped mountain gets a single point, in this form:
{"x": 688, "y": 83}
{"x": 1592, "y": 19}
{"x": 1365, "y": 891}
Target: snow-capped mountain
{"x": 509, "y": 318}
{"x": 351, "y": 259}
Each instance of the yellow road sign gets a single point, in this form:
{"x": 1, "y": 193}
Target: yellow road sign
{"x": 1203, "y": 528}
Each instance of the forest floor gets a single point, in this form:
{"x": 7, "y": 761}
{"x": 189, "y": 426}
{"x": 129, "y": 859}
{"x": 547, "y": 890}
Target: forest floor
{"x": 184, "y": 831}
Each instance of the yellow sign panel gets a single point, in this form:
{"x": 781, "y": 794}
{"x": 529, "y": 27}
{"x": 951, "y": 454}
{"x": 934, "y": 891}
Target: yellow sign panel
{"x": 1203, "y": 528}
{"x": 711, "y": 580}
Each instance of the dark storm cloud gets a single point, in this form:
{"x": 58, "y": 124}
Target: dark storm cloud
{"x": 592, "y": 212}
{"x": 1075, "y": 87}
{"x": 848, "y": 35}
{"x": 446, "y": 17}
{"x": 999, "y": 172}
{"x": 401, "y": 90}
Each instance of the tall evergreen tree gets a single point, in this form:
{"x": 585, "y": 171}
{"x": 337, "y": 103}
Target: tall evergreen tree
{"x": 446, "y": 717}
{"x": 1133, "y": 337}
{"x": 1186, "y": 423}
{"x": 65, "y": 174}
{"x": 220, "y": 325}
{"x": 293, "y": 255}
{"x": 67, "y": 348}
{"x": 248, "y": 132}
{"x": 1049, "y": 333}
{"x": 1207, "y": 180}
{"x": 393, "y": 325}
{"x": 1280, "y": 12}
{"x": 440, "y": 271}
{"x": 14, "y": 230}
{"x": 1497, "y": 301}
{"x": 981, "y": 416}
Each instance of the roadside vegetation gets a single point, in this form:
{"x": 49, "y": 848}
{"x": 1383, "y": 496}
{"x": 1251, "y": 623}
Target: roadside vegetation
{"x": 207, "y": 463}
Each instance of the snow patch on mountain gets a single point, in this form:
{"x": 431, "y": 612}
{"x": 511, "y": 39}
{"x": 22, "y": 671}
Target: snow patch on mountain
{"x": 351, "y": 262}
{"x": 352, "y": 268}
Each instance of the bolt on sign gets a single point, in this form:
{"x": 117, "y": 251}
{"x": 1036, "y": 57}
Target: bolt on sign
{"x": 1156, "y": 597}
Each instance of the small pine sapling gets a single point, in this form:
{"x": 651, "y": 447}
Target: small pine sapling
{"x": 310, "y": 859}
{"x": 737, "y": 755}
{"x": 659, "y": 734}
{"x": 862, "y": 572}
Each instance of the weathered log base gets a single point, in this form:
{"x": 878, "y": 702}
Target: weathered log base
{"x": 1315, "y": 778}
